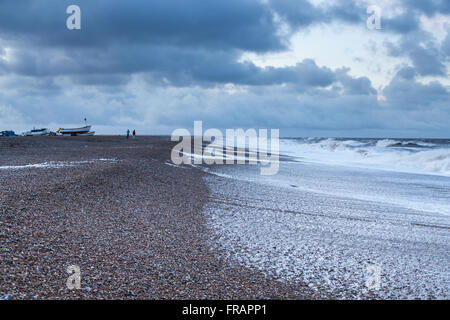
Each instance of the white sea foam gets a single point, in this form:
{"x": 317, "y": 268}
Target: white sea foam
{"x": 54, "y": 164}
{"x": 324, "y": 225}
{"x": 323, "y": 220}
{"x": 328, "y": 242}
{"x": 386, "y": 143}
{"x": 411, "y": 156}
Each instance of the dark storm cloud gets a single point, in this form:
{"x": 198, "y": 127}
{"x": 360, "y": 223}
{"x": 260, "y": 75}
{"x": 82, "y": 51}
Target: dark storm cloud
{"x": 299, "y": 13}
{"x": 183, "y": 41}
{"x": 358, "y": 86}
{"x": 403, "y": 23}
{"x": 429, "y": 7}
{"x": 213, "y": 24}
{"x": 426, "y": 54}
{"x": 191, "y": 66}
{"x": 446, "y": 46}
{"x": 241, "y": 24}
{"x": 407, "y": 73}
{"x": 347, "y": 11}
{"x": 409, "y": 19}
{"x": 405, "y": 92}
{"x": 101, "y": 79}
{"x": 302, "y": 13}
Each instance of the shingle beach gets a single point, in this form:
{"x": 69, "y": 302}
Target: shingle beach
{"x": 116, "y": 208}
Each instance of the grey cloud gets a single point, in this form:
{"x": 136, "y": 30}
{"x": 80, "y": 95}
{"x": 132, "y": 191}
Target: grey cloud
{"x": 425, "y": 54}
{"x": 101, "y": 79}
{"x": 407, "y": 73}
{"x": 430, "y": 7}
{"x": 361, "y": 85}
{"x": 403, "y": 23}
{"x": 405, "y": 92}
{"x": 167, "y": 64}
{"x": 446, "y": 46}
{"x": 212, "y": 24}
{"x": 299, "y": 13}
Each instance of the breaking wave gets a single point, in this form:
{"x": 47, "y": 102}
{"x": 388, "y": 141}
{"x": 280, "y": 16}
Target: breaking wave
{"x": 426, "y": 156}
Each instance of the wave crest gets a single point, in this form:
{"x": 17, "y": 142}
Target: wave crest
{"x": 407, "y": 155}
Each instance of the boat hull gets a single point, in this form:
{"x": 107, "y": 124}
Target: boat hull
{"x": 37, "y": 133}
{"x": 90, "y": 133}
{"x": 76, "y": 131}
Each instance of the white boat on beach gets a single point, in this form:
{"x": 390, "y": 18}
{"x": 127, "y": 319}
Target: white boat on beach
{"x": 37, "y": 132}
{"x": 83, "y": 131}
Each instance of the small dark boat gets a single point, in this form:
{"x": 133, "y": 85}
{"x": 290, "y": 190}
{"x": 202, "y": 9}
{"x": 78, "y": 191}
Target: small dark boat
{"x": 8, "y": 133}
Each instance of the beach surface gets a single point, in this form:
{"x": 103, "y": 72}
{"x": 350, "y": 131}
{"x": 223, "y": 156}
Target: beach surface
{"x": 140, "y": 227}
{"x": 119, "y": 210}
{"x": 347, "y": 231}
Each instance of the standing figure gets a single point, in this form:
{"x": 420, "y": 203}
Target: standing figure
{"x": 134, "y": 133}
{"x": 128, "y": 133}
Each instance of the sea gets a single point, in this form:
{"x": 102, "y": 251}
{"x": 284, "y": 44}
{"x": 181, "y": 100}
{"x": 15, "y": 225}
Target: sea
{"x": 350, "y": 218}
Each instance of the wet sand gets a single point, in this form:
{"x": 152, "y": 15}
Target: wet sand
{"x": 115, "y": 208}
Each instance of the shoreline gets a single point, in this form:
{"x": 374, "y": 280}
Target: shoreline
{"x": 134, "y": 226}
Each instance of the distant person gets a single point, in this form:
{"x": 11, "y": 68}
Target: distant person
{"x": 128, "y": 133}
{"x": 134, "y": 133}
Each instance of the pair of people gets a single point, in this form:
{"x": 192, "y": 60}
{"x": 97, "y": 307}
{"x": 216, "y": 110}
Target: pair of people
{"x": 128, "y": 133}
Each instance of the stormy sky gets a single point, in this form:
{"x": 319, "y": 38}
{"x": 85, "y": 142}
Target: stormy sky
{"x": 309, "y": 68}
